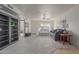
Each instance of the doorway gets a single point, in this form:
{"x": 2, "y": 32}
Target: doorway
{"x": 22, "y": 27}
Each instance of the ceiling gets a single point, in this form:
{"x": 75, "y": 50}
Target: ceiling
{"x": 36, "y": 10}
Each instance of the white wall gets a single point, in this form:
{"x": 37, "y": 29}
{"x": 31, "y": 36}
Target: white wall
{"x": 35, "y": 24}
{"x": 73, "y": 21}
{"x": 72, "y": 17}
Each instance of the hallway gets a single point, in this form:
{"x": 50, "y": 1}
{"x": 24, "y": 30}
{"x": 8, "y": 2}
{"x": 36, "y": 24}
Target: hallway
{"x": 34, "y": 44}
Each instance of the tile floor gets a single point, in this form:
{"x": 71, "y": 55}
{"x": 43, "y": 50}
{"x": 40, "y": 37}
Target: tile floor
{"x": 34, "y": 45}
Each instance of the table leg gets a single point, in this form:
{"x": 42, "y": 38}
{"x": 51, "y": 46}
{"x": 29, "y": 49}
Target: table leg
{"x": 63, "y": 40}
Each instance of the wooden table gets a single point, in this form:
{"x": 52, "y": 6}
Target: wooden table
{"x": 65, "y": 38}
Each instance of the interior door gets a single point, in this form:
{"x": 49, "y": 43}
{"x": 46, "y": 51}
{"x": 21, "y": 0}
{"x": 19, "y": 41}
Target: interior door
{"x": 22, "y": 27}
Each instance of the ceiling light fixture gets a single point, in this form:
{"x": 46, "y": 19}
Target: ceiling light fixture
{"x": 45, "y": 16}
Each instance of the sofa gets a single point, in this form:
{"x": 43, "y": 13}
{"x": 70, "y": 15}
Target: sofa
{"x": 55, "y": 34}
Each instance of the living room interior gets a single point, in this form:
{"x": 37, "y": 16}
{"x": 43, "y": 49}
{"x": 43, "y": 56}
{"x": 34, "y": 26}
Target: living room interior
{"x": 44, "y": 29}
